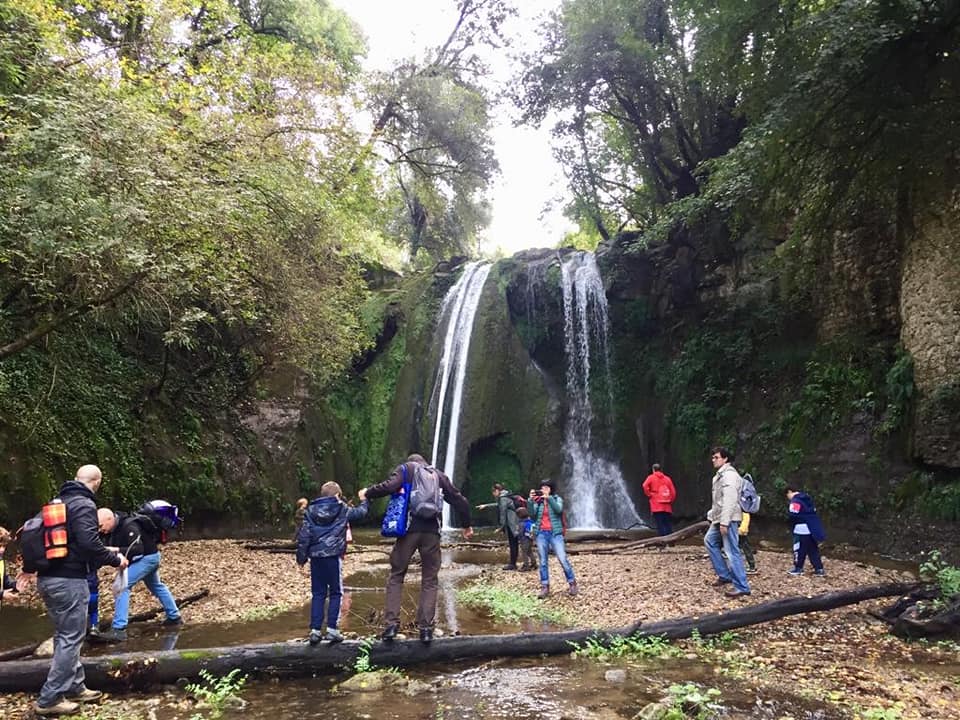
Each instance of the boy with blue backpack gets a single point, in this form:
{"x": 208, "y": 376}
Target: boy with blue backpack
{"x": 322, "y": 539}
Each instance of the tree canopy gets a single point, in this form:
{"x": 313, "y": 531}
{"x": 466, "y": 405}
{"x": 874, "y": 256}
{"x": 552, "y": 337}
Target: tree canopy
{"x": 806, "y": 109}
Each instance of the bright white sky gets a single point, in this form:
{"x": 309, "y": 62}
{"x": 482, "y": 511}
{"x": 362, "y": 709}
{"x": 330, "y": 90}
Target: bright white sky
{"x": 531, "y": 178}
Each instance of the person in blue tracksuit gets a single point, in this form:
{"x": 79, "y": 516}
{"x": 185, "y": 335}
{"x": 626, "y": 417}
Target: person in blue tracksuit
{"x": 807, "y": 532}
{"x": 322, "y": 539}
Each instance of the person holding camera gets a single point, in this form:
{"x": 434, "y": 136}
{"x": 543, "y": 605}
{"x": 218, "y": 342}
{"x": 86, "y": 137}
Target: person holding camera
{"x": 548, "y": 525}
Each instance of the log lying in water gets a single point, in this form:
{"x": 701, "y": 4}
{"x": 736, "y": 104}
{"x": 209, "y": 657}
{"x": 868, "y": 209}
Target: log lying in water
{"x": 293, "y": 659}
{"x": 658, "y": 541}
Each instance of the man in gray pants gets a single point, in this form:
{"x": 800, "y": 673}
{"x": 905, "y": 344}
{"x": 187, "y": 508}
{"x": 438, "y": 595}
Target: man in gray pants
{"x": 63, "y": 587}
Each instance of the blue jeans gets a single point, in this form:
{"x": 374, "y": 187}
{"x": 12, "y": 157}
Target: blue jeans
{"x": 146, "y": 568}
{"x": 66, "y": 600}
{"x": 546, "y": 540}
{"x": 325, "y": 578}
{"x": 732, "y": 570}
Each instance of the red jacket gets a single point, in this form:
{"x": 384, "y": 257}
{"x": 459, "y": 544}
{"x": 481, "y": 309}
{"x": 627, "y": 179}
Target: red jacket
{"x": 659, "y": 488}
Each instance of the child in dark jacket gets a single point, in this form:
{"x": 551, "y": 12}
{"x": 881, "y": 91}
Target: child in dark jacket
{"x": 526, "y": 540}
{"x": 807, "y": 532}
{"x": 322, "y": 539}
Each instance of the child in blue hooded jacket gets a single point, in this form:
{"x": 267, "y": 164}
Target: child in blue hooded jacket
{"x": 807, "y": 532}
{"x": 322, "y": 539}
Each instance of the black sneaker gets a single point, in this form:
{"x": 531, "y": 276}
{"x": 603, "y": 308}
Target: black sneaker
{"x": 426, "y": 635}
{"x": 113, "y": 636}
{"x": 172, "y": 622}
{"x": 390, "y": 633}
{"x": 509, "y": 567}
{"x": 315, "y": 637}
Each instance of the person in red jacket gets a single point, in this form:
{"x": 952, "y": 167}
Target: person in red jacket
{"x": 659, "y": 488}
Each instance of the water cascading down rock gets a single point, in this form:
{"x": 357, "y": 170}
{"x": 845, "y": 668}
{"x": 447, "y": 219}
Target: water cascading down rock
{"x": 459, "y": 308}
{"x": 596, "y": 494}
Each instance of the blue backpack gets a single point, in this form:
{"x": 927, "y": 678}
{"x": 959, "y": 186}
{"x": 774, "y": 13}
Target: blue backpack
{"x": 395, "y": 519}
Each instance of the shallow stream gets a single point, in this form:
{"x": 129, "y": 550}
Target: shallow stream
{"x": 552, "y": 687}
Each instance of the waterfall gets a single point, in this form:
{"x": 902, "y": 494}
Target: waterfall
{"x": 460, "y": 308}
{"x": 597, "y": 495}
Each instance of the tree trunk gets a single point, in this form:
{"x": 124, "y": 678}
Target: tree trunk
{"x": 657, "y": 541}
{"x": 298, "y": 659}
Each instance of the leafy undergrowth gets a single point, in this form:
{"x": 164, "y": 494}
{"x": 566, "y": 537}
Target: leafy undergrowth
{"x": 511, "y": 605}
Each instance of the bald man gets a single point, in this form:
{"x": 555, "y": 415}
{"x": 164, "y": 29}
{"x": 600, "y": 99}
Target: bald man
{"x": 63, "y": 587}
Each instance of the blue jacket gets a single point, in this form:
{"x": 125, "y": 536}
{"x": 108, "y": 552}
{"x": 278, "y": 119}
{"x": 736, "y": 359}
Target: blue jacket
{"x": 800, "y": 509}
{"x": 324, "y": 529}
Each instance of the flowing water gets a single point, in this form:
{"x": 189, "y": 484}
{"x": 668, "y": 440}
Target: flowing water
{"x": 460, "y": 308}
{"x": 595, "y": 486}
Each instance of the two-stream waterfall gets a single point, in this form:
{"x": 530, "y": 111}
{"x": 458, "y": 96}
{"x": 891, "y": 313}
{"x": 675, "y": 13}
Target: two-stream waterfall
{"x": 460, "y": 308}
{"x": 596, "y": 493}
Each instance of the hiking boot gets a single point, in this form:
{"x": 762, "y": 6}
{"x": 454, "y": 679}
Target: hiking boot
{"x": 820, "y": 573}
{"x": 426, "y": 635}
{"x": 544, "y": 592}
{"x": 736, "y": 593}
{"x": 63, "y": 707}
{"x": 720, "y": 582}
{"x": 172, "y": 622}
{"x": 315, "y": 637}
{"x": 509, "y": 567}
{"x": 333, "y": 636}
{"x": 390, "y": 633}
{"x": 86, "y": 695}
{"x": 795, "y": 572}
{"x": 525, "y": 568}
{"x": 573, "y": 589}
{"x": 113, "y": 635}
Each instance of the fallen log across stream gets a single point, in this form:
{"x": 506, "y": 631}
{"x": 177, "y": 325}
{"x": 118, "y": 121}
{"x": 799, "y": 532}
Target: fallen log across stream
{"x": 298, "y": 659}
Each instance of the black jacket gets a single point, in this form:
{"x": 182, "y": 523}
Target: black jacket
{"x": 85, "y": 548}
{"x": 450, "y": 495}
{"x": 135, "y": 535}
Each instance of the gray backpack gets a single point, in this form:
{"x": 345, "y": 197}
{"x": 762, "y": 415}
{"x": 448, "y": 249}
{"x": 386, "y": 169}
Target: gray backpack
{"x": 426, "y": 498}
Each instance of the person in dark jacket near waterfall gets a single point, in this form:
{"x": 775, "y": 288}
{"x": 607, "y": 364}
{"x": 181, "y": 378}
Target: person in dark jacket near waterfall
{"x": 138, "y": 536}
{"x": 322, "y": 539}
{"x": 63, "y": 587}
{"x": 807, "y": 532}
{"x": 423, "y": 534}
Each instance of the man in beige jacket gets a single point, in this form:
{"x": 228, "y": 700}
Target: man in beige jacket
{"x": 725, "y": 516}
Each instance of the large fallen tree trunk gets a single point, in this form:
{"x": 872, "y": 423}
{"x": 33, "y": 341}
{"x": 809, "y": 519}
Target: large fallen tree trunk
{"x": 658, "y": 541}
{"x": 291, "y": 659}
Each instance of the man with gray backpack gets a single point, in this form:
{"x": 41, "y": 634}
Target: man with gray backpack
{"x": 725, "y": 516}
{"x": 428, "y": 488}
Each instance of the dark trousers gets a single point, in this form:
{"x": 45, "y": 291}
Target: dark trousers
{"x": 429, "y": 546}
{"x": 325, "y": 579}
{"x": 529, "y": 556}
{"x": 514, "y": 543}
{"x": 804, "y": 546}
{"x": 746, "y": 550}
{"x": 664, "y": 521}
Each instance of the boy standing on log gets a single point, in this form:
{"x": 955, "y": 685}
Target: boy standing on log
{"x": 322, "y": 539}
{"x": 725, "y": 516}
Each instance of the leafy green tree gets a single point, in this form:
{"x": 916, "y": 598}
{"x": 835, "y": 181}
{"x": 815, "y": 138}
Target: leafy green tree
{"x": 432, "y": 131}
{"x": 636, "y": 121}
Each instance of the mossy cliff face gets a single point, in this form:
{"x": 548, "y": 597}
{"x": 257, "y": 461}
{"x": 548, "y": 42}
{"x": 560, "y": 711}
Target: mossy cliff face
{"x": 800, "y": 358}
